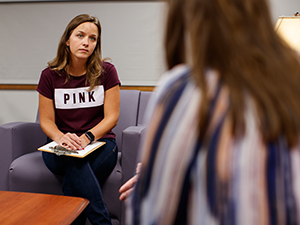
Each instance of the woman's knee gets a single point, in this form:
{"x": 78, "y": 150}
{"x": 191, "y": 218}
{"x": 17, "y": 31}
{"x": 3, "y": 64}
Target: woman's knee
{"x": 105, "y": 159}
{"x": 53, "y": 162}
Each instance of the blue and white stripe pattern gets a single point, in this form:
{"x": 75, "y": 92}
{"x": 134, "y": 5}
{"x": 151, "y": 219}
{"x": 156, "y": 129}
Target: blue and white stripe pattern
{"x": 220, "y": 179}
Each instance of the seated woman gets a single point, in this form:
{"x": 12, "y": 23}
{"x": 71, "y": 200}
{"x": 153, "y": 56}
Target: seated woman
{"x": 79, "y": 102}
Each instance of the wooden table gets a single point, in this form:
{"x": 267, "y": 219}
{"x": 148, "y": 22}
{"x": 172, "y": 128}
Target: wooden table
{"x": 30, "y": 208}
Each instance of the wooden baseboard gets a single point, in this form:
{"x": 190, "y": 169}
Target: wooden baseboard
{"x": 33, "y": 87}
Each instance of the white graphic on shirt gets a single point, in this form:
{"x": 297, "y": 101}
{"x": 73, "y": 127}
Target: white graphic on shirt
{"x": 74, "y": 98}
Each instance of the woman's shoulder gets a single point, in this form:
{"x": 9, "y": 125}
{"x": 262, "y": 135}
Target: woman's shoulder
{"x": 109, "y": 69}
{"x": 165, "y": 85}
{"x": 175, "y": 73}
{"x": 50, "y": 72}
{"x": 109, "y": 77}
{"x": 108, "y": 65}
{"x": 172, "y": 76}
{"x": 46, "y": 70}
{"x": 51, "y": 77}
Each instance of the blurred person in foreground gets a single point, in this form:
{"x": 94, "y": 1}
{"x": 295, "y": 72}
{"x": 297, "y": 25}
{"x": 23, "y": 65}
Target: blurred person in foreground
{"x": 222, "y": 146}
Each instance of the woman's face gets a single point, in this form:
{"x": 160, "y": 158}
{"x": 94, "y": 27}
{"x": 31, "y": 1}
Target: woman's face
{"x": 83, "y": 41}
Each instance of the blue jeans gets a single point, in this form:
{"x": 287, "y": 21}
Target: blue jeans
{"x": 83, "y": 177}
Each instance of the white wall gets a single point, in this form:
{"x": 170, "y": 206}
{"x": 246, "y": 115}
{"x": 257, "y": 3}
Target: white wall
{"x": 22, "y": 105}
{"x": 131, "y": 34}
{"x": 284, "y": 8}
{"x": 18, "y": 106}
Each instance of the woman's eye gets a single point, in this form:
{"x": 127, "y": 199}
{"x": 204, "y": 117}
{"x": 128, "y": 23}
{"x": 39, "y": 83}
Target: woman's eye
{"x": 93, "y": 39}
{"x": 80, "y": 35}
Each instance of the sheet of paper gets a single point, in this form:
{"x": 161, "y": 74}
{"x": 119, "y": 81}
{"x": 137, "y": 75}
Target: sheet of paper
{"x": 81, "y": 153}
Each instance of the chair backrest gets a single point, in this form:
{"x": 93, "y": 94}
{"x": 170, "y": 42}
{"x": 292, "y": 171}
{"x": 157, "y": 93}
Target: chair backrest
{"x": 128, "y": 112}
{"x": 144, "y": 99}
{"x": 37, "y": 119}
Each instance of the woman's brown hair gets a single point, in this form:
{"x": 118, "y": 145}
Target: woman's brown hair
{"x": 63, "y": 58}
{"x": 237, "y": 38}
{"x": 174, "y": 35}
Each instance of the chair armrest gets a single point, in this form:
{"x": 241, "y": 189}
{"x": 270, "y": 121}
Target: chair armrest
{"x": 131, "y": 139}
{"x": 17, "y": 139}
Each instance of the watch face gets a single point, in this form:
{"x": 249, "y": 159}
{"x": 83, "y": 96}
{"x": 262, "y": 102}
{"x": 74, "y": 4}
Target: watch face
{"x": 90, "y": 136}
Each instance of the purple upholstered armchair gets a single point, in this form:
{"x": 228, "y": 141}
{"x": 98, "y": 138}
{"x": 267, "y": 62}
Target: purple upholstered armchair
{"x": 22, "y": 167}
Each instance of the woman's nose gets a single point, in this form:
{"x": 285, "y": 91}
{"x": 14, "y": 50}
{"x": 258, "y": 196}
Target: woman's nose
{"x": 85, "y": 42}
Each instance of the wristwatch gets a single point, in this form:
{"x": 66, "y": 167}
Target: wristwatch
{"x": 90, "y": 136}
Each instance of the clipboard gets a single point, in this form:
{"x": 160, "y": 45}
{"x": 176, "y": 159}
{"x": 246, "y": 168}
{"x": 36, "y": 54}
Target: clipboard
{"x": 51, "y": 147}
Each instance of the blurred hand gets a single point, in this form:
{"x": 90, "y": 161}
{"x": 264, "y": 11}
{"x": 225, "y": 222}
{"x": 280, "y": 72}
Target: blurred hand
{"x": 127, "y": 188}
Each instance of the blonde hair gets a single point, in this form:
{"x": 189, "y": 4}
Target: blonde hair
{"x": 237, "y": 38}
{"x": 63, "y": 58}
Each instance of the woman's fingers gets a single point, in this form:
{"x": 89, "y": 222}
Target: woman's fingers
{"x": 138, "y": 168}
{"x": 127, "y": 188}
{"x": 125, "y": 194}
{"x": 70, "y": 141}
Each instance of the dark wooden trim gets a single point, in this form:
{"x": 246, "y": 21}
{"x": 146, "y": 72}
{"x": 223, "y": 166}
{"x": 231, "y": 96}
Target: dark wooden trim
{"x": 33, "y": 87}
{"x": 18, "y": 87}
{"x": 140, "y": 88}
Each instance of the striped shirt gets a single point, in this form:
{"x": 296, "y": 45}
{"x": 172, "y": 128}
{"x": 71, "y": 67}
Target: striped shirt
{"x": 219, "y": 179}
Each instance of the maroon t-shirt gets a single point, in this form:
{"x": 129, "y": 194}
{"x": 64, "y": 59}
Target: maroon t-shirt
{"x": 77, "y": 109}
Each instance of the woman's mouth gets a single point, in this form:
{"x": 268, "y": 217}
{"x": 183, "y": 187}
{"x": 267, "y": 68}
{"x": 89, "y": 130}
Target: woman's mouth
{"x": 83, "y": 50}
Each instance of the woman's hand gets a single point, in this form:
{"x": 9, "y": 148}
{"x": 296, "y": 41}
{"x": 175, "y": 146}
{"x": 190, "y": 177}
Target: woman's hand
{"x": 71, "y": 141}
{"x": 84, "y": 140}
{"x": 128, "y": 187}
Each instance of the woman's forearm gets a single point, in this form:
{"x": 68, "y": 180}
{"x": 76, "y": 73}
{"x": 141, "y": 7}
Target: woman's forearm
{"x": 111, "y": 113}
{"x": 51, "y": 130}
{"x": 104, "y": 126}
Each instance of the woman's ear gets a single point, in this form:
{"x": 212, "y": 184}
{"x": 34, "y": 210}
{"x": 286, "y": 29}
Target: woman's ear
{"x": 68, "y": 42}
